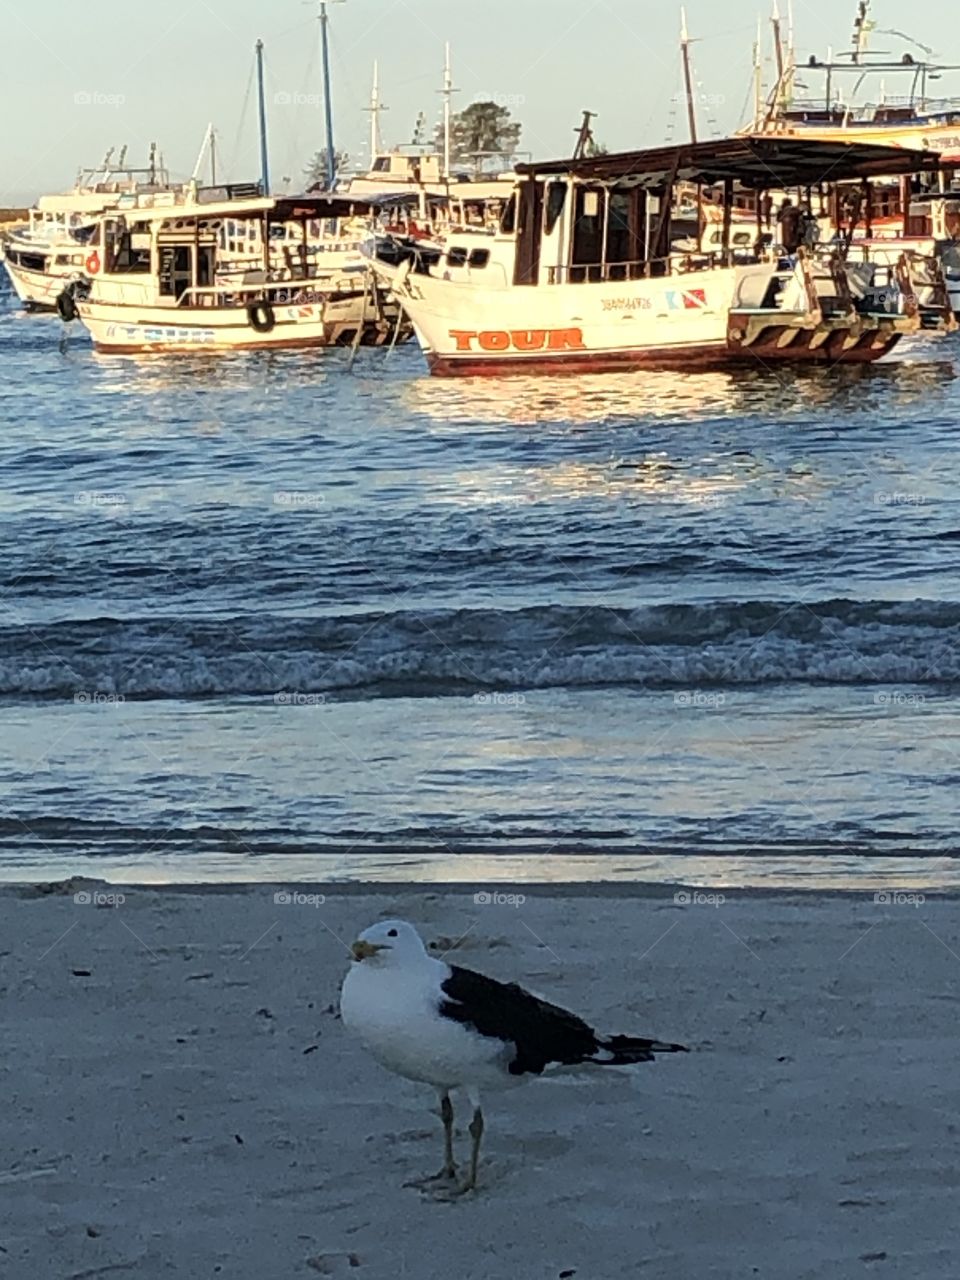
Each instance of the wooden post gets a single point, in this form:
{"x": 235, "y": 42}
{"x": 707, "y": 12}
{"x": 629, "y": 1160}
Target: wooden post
{"x": 727, "y": 218}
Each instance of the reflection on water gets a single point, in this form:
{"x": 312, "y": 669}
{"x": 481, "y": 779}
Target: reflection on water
{"x": 607, "y": 398}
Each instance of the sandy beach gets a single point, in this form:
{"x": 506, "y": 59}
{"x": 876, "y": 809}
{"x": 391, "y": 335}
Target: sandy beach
{"x": 182, "y": 1099}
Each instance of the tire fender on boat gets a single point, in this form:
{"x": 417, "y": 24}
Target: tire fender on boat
{"x": 261, "y": 315}
{"x": 66, "y": 305}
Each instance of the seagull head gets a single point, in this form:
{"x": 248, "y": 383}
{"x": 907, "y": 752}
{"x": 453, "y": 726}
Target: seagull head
{"x": 391, "y": 942}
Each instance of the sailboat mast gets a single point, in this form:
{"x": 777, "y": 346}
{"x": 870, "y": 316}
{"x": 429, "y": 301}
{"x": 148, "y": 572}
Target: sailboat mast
{"x": 327, "y": 100}
{"x": 262, "y": 109}
{"x": 448, "y": 90}
{"x": 758, "y": 78}
{"x": 375, "y": 109}
{"x": 687, "y": 75}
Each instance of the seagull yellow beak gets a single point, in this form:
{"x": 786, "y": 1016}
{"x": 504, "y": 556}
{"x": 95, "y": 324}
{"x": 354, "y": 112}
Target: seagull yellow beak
{"x": 363, "y": 950}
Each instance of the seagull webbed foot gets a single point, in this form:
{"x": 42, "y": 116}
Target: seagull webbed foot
{"x": 446, "y": 1175}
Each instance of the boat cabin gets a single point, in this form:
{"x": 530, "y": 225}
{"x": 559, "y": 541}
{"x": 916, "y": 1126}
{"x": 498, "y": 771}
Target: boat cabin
{"x": 620, "y": 217}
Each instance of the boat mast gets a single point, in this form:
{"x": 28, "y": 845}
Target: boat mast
{"x": 327, "y": 99}
{"x": 687, "y": 75}
{"x": 375, "y": 107}
{"x": 264, "y": 168}
{"x": 777, "y": 47}
{"x": 447, "y": 91}
{"x": 758, "y": 79}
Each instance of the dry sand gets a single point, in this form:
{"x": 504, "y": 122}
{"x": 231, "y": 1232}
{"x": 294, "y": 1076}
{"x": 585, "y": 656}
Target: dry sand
{"x": 181, "y": 1100}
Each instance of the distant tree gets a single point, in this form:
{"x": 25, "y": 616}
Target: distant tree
{"x": 316, "y": 171}
{"x": 482, "y": 129}
{"x": 596, "y": 148}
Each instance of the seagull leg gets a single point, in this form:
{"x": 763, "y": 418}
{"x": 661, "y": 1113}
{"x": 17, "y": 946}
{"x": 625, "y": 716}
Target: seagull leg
{"x": 449, "y": 1169}
{"x": 448, "y": 1173}
{"x": 475, "y": 1129}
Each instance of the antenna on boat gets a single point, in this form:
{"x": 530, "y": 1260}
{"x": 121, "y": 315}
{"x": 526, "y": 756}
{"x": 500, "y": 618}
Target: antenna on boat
{"x": 262, "y": 109}
{"x": 447, "y": 91}
{"x": 860, "y": 29}
{"x": 375, "y": 107}
{"x": 153, "y": 162}
{"x": 687, "y": 75}
{"x": 584, "y": 136}
{"x": 327, "y": 99}
{"x": 758, "y": 77}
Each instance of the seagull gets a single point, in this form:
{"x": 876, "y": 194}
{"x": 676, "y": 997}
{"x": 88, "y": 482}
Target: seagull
{"x": 451, "y": 1028}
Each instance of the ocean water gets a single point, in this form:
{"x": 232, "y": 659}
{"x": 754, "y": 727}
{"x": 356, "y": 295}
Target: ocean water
{"x": 276, "y": 616}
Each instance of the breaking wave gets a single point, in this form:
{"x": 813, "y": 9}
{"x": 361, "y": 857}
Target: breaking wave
{"x": 436, "y": 652}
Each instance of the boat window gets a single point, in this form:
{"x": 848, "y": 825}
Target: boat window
{"x": 587, "y": 236}
{"x": 128, "y": 248}
{"x": 456, "y": 257}
{"x": 508, "y": 223}
{"x": 556, "y": 198}
{"x": 618, "y": 252}
{"x": 479, "y": 257}
{"x": 176, "y": 269}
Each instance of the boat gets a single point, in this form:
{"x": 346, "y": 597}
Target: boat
{"x": 41, "y": 253}
{"x": 225, "y": 270}
{"x": 583, "y": 273}
{"x": 914, "y": 119}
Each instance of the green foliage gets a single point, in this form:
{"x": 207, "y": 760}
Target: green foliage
{"x": 316, "y": 170}
{"x": 483, "y": 130}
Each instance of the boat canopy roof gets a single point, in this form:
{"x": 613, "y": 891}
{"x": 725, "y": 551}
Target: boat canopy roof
{"x": 757, "y": 162}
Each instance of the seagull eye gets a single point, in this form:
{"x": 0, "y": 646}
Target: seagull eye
{"x": 391, "y": 933}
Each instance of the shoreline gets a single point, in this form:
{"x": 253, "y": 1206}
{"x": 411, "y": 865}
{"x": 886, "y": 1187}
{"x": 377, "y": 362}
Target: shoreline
{"x": 604, "y": 890}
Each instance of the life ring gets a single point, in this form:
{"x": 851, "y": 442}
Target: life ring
{"x": 66, "y": 305}
{"x": 92, "y": 263}
{"x": 260, "y": 315}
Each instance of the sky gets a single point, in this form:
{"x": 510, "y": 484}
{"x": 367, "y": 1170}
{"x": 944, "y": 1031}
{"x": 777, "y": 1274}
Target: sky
{"x": 79, "y": 78}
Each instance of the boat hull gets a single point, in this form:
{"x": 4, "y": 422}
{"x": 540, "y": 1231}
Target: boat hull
{"x": 126, "y": 329}
{"x": 865, "y": 350}
{"x": 37, "y": 290}
{"x": 693, "y": 321}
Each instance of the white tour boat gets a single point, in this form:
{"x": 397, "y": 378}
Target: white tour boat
{"x": 53, "y": 245}
{"x": 211, "y": 273}
{"x": 583, "y": 273}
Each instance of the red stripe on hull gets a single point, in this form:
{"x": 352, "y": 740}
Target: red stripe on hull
{"x": 712, "y": 356}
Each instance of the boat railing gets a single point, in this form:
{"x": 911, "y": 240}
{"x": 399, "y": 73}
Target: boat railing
{"x": 287, "y": 293}
{"x": 651, "y": 268}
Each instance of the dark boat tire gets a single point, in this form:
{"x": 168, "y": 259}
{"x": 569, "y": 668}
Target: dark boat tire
{"x": 261, "y": 316}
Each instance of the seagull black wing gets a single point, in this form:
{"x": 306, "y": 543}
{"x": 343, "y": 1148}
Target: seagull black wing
{"x": 541, "y": 1033}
